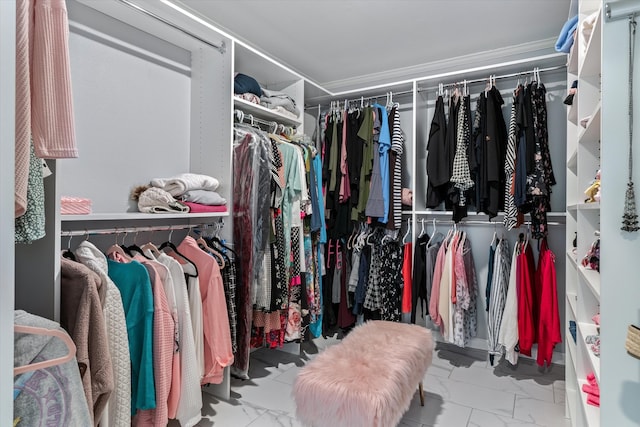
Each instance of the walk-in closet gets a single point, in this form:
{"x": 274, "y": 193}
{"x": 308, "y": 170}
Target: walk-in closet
{"x": 390, "y": 213}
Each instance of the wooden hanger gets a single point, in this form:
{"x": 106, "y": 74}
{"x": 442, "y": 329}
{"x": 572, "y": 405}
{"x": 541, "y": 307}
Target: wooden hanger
{"x": 21, "y": 329}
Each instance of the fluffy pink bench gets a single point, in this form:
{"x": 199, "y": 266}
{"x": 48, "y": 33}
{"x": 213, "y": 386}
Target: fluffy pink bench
{"x": 368, "y": 379}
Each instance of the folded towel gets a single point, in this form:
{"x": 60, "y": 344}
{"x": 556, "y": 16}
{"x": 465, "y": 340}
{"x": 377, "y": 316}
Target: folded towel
{"x": 180, "y": 184}
{"x": 565, "y": 39}
{"x": 204, "y": 197}
{"x": 198, "y": 208}
{"x": 75, "y": 206}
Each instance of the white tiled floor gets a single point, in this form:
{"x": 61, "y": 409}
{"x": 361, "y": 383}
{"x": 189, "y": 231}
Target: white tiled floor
{"x": 461, "y": 390}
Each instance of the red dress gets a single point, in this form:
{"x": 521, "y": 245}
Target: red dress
{"x": 406, "y": 276}
{"x": 549, "y": 316}
{"x": 526, "y": 300}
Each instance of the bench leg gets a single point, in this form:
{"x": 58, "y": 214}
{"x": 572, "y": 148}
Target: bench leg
{"x": 421, "y": 389}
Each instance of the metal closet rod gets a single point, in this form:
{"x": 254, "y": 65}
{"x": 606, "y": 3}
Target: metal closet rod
{"x": 118, "y": 230}
{"x": 459, "y": 82}
{"x": 249, "y": 118}
{"x": 621, "y": 9}
{"x": 222, "y": 47}
{"x": 476, "y": 222}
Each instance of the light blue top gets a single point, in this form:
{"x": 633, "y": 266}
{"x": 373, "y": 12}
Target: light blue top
{"x": 384, "y": 141}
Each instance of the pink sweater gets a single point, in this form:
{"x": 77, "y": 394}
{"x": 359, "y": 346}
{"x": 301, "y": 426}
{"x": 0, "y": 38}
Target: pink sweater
{"x": 44, "y": 103}
{"x": 217, "y": 335}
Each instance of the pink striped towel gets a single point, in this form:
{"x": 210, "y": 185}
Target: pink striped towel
{"x": 75, "y": 206}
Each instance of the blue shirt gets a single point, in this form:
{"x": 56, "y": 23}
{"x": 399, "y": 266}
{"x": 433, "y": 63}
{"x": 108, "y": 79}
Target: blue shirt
{"x": 384, "y": 141}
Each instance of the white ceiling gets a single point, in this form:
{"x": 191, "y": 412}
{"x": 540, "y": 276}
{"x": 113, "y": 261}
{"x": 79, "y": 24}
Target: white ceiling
{"x": 341, "y": 43}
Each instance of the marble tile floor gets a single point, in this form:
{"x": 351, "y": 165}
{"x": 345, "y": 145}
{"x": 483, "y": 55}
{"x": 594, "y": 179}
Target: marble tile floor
{"x": 462, "y": 389}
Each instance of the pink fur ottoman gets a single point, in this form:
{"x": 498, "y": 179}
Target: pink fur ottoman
{"x": 368, "y": 379}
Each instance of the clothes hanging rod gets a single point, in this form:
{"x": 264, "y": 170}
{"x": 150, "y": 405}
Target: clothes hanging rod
{"x": 478, "y": 222}
{"x": 495, "y": 77}
{"x": 118, "y": 230}
{"x": 458, "y": 82}
{"x": 222, "y": 48}
{"x": 622, "y": 9}
{"x": 241, "y": 117}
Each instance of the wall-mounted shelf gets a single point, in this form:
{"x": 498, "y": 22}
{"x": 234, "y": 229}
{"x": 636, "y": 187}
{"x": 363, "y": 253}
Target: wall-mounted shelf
{"x": 264, "y": 113}
{"x": 592, "y": 279}
{"x": 139, "y": 216}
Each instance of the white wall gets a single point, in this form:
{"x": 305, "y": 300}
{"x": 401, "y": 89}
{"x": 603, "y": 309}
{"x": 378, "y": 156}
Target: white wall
{"x": 7, "y": 166}
{"x": 619, "y": 266}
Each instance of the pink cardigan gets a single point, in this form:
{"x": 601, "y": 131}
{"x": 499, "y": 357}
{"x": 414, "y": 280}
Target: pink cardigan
{"x": 44, "y": 103}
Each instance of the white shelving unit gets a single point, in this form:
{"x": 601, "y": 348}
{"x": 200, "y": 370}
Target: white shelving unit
{"x": 583, "y": 154}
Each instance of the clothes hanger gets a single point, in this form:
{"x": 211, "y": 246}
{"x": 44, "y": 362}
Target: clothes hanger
{"x": 68, "y": 253}
{"x": 117, "y": 249}
{"x": 135, "y": 248}
{"x": 33, "y": 330}
{"x": 169, "y": 245}
{"x": 404, "y": 238}
{"x": 205, "y": 246}
{"x": 422, "y": 230}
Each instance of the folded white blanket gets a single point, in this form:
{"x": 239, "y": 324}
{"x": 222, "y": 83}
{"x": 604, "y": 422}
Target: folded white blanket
{"x": 204, "y": 197}
{"x": 180, "y": 184}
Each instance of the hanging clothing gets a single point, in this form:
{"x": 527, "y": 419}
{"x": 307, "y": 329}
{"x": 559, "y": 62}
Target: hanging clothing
{"x": 251, "y": 204}
{"x": 438, "y": 171}
{"x": 461, "y": 174}
{"x": 406, "y": 278}
{"x": 526, "y": 300}
{"x": 189, "y": 408}
{"x": 508, "y": 333}
{"x": 549, "y": 319}
{"x": 134, "y": 283}
{"x": 30, "y": 226}
{"x": 217, "y": 335}
{"x": 81, "y": 315}
{"x": 53, "y": 393}
{"x": 497, "y": 300}
{"x": 395, "y": 162}
{"x": 419, "y": 279}
{"x": 163, "y": 341}
{"x": 510, "y": 210}
{"x": 494, "y": 152}
{"x": 44, "y": 105}
{"x": 118, "y": 410}
{"x": 541, "y": 179}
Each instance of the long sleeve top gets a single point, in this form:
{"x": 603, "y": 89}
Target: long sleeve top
{"x": 133, "y": 281}
{"x": 44, "y": 103}
{"x": 508, "y": 335}
{"x": 190, "y": 402}
{"x": 217, "y": 335}
{"x": 81, "y": 315}
{"x": 118, "y": 411}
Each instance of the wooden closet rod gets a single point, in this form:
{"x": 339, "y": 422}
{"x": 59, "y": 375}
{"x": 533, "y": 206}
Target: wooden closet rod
{"x": 222, "y": 48}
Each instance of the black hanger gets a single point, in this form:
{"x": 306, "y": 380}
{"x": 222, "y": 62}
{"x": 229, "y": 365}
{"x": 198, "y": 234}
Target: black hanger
{"x": 135, "y": 248}
{"x": 67, "y": 253}
{"x": 214, "y": 240}
{"x": 170, "y": 245}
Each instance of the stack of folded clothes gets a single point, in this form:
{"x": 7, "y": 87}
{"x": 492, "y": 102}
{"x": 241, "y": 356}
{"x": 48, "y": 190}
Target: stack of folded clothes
{"x": 592, "y": 389}
{"x": 195, "y": 191}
